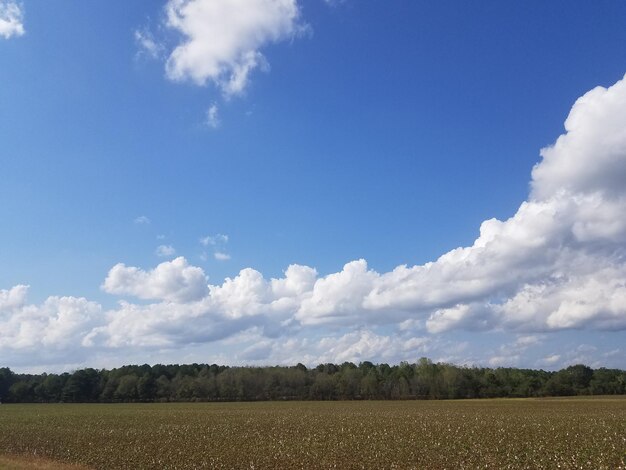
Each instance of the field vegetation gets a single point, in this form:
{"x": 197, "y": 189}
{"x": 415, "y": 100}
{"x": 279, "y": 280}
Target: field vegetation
{"x": 567, "y": 433}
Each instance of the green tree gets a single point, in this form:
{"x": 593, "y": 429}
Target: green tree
{"x": 163, "y": 388}
{"x": 146, "y": 387}
{"x": 127, "y": 388}
{"x": 324, "y": 387}
{"x": 369, "y": 385}
{"x": 6, "y": 380}
{"x": 21, "y": 392}
{"x": 52, "y": 388}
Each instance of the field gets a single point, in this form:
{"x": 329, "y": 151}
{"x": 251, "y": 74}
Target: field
{"x": 571, "y": 433}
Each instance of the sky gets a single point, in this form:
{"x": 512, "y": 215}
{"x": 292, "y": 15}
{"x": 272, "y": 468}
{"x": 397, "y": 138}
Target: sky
{"x": 267, "y": 182}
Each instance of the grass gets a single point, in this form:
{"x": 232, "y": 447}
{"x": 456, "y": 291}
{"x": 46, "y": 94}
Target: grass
{"x": 523, "y": 433}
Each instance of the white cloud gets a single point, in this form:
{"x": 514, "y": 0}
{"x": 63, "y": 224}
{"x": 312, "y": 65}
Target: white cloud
{"x": 213, "y": 240}
{"x": 142, "y": 220}
{"x": 218, "y": 243}
{"x": 258, "y": 351}
{"x": 11, "y": 19}
{"x": 509, "y": 360}
{"x": 551, "y": 359}
{"x": 298, "y": 280}
{"x": 165, "y": 251}
{"x": 221, "y": 256}
{"x": 164, "y": 325}
{"x": 510, "y": 354}
{"x": 212, "y": 117}
{"x": 573, "y": 301}
{"x": 365, "y": 345}
{"x": 173, "y": 281}
{"x": 59, "y": 323}
{"x": 587, "y": 354}
{"x": 528, "y": 340}
{"x": 13, "y": 298}
{"x": 558, "y": 263}
{"x": 191, "y": 311}
{"x": 589, "y": 157}
{"x": 148, "y": 44}
{"x": 221, "y": 39}
{"x": 246, "y": 294}
{"x": 354, "y": 346}
{"x": 470, "y": 317}
{"x": 338, "y": 297}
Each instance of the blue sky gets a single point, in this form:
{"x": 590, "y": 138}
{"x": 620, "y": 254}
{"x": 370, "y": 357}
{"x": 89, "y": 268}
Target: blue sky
{"x": 165, "y": 163}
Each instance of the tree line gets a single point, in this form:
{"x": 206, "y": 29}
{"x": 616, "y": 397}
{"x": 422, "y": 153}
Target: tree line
{"x": 365, "y": 381}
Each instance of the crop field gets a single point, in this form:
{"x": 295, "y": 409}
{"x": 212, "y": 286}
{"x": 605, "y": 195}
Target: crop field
{"x": 588, "y": 433}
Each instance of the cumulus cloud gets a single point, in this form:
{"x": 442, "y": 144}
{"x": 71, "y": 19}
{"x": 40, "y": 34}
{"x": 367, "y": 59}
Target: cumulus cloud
{"x": 354, "y": 346}
{"x": 190, "y": 311}
{"x": 298, "y": 281}
{"x": 165, "y": 251}
{"x": 570, "y": 301}
{"x": 167, "y": 324}
{"x": 589, "y": 157}
{"x": 221, "y": 39}
{"x": 174, "y": 281}
{"x": 11, "y": 19}
{"x": 338, "y": 297}
{"x": 13, "y": 298}
{"x": 558, "y": 263}
{"x": 246, "y": 294}
{"x": 362, "y": 345}
{"x": 58, "y": 323}
{"x": 470, "y": 317}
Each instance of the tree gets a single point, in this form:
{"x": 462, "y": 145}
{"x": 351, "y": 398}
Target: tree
{"x": 52, "y": 388}
{"x": 369, "y": 385}
{"x": 127, "y": 388}
{"x": 580, "y": 377}
{"x": 6, "y": 380}
{"x": 163, "y": 388}
{"x": 350, "y": 383}
{"x": 324, "y": 387}
{"x": 146, "y": 387}
{"x": 82, "y": 386}
{"x": 21, "y": 391}
{"x": 422, "y": 380}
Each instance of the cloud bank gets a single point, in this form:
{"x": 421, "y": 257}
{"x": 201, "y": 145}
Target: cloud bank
{"x": 558, "y": 263}
{"x": 11, "y": 19}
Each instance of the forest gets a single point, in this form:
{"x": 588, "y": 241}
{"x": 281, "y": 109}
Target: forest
{"x": 366, "y": 381}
